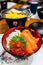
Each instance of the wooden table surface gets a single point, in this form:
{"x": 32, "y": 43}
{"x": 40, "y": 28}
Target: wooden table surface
{"x": 4, "y": 26}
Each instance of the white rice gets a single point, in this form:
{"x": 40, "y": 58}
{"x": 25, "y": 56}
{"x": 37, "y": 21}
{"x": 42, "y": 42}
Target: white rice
{"x": 16, "y": 32}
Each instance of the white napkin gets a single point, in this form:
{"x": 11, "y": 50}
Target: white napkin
{"x": 1, "y": 47}
{"x": 10, "y": 4}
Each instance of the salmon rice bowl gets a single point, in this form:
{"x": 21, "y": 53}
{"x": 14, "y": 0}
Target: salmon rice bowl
{"x": 21, "y": 43}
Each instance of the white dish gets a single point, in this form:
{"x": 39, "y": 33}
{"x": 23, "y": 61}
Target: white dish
{"x": 25, "y": 6}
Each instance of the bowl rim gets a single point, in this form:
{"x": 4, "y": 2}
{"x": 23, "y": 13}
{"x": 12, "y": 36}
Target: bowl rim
{"x": 10, "y": 18}
{"x": 16, "y": 28}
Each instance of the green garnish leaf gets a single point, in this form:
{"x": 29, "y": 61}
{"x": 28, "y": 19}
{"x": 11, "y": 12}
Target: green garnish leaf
{"x": 19, "y": 38}
{"x": 23, "y": 41}
{"x": 15, "y": 38}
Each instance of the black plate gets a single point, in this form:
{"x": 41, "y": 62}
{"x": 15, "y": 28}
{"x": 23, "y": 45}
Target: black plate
{"x": 40, "y": 12}
{"x": 38, "y": 26}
